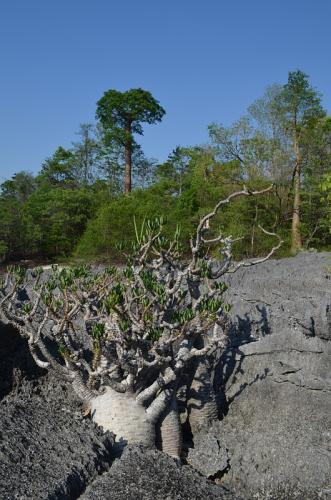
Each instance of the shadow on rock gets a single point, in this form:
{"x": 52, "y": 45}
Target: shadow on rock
{"x": 16, "y": 362}
{"x": 242, "y": 330}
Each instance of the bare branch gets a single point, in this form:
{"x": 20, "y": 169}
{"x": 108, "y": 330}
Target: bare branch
{"x": 204, "y": 222}
{"x": 159, "y": 383}
{"x": 263, "y": 259}
{"x": 159, "y": 405}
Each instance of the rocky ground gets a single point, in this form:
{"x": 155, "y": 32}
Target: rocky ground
{"x": 151, "y": 475}
{"x": 47, "y": 448}
{"x": 274, "y": 385}
{"x": 276, "y": 380}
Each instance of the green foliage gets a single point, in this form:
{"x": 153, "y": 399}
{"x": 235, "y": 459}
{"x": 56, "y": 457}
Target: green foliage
{"x": 121, "y": 115}
{"x": 13, "y": 230}
{"x": 326, "y": 197}
{"x": 98, "y": 331}
{"x": 19, "y": 187}
{"x": 114, "y": 298}
{"x": 74, "y": 206}
{"x": 27, "y": 307}
{"x": 58, "y": 170}
{"x": 116, "y": 110}
{"x": 3, "y": 249}
{"x": 115, "y": 223}
{"x": 17, "y": 273}
{"x": 183, "y": 199}
{"x": 57, "y": 218}
{"x": 299, "y": 102}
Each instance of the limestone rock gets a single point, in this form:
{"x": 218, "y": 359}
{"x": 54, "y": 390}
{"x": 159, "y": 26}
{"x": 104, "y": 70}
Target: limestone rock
{"x": 275, "y": 378}
{"x": 47, "y": 449}
{"x": 145, "y": 474}
{"x": 208, "y": 456}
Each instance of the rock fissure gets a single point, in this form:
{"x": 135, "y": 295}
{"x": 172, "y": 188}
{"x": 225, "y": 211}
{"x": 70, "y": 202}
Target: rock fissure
{"x": 277, "y": 351}
{"x": 306, "y": 387}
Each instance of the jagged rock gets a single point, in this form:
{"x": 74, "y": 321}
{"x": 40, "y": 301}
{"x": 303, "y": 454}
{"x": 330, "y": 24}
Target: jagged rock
{"x": 144, "y": 474}
{"x": 17, "y": 367}
{"x": 276, "y": 380}
{"x": 47, "y": 449}
{"x": 208, "y": 456}
{"x": 290, "y": 293}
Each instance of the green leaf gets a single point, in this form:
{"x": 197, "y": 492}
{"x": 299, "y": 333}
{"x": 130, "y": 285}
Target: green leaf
{"x": 98, "y": 331}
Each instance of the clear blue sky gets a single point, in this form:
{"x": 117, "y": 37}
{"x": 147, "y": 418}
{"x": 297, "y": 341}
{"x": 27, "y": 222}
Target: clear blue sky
{"x": 204, "y": 61}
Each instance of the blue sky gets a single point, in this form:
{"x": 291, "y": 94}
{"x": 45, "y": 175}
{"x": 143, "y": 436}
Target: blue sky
{"x": 204, "y": 61}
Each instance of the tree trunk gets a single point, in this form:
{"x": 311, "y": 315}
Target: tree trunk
{"x": 296, "y": 235}
{"x": 171, "y": 432}
{"x": 201, "y": 404}
{"x": 121, "y": 414}
{"x": 128, "y": 160}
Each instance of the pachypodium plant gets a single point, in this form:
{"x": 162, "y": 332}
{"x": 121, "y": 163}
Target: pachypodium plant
{"x": 126, "y": 338}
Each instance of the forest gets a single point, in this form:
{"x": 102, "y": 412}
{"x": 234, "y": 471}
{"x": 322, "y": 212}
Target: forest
{"x": 87, "y": 201}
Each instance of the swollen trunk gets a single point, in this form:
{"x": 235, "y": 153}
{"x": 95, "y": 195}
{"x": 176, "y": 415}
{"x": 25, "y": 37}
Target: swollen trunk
{"x": 201, "y": 404}
{"x": 171, "y": 432}
{"x": 121, "y": 414}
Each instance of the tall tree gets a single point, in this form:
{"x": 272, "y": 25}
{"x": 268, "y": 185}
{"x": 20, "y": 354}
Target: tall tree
{"x": 121, "y": 114}
{"x": 109, "y": 161}
{"x": 316, "y": 152}
{"x": 57, "y": 217}
{"x": 326, "y": 189}
{"x": 19, "y": 187}
{"x": 15, "y": 238}
{"x": 174, "y": 169}
{"x": 301, "y": 109}
{"x": 143, "y": 169}
{"x": 267, "y": 119}
{"x": 59, "y": 169}
{"x": 85, "y": 152}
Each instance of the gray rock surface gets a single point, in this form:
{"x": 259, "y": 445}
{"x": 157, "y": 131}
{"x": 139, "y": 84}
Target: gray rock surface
{"x": 290, "y": 293}
{"x": 47, "y": 449}
{"x": 276, "y": 380}
{"x": 143, "y": 474}
{"x": 17, "y": 367}
{"x": 208, "y": 456}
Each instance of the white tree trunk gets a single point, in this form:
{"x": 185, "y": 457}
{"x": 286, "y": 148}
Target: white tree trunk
{"x": 121, "y": 414}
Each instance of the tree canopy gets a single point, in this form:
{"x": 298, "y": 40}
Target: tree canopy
{"x": 74, "y": 207}
{"x": 122, "y": 114}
